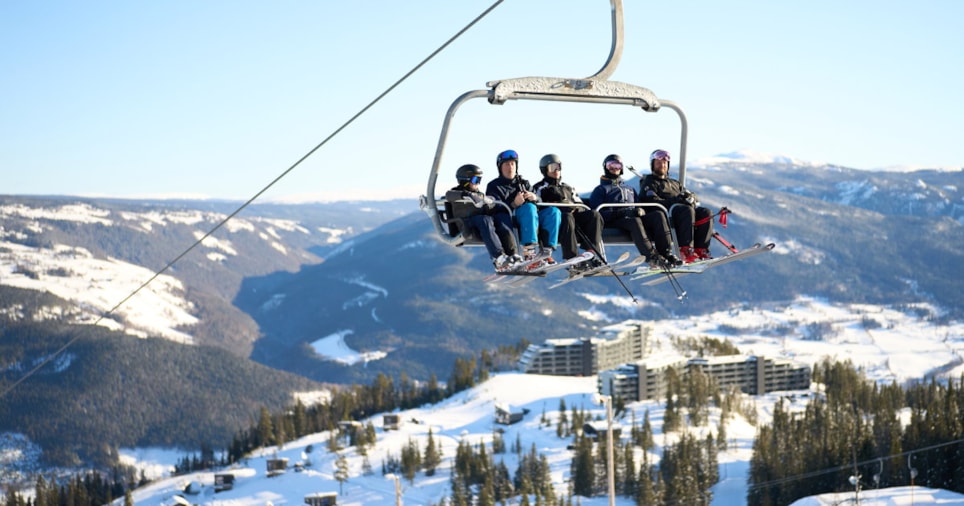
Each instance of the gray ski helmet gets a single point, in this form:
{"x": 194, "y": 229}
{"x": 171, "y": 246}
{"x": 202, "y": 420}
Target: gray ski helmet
{"x": 505, "y": 156}
{"x": 546, "y": 160}
{"x": 466, "y": 172}
{"x": 613, "y": 158}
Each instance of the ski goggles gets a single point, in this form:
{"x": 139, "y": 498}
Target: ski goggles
{"x": 475, "y": 179}
{"x": 659, "y": 154}
{"x": 554, "y": 166}
{"x": 614, "y": 165}
{"x": 507, "y": 155}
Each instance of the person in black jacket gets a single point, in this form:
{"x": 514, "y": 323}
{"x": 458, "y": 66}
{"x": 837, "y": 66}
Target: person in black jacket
{"x": 580, "y": 225}
{"x": 517, "y": 194}
{"x": 479, "y": 216}
{"x": 693, "y": 224}
{"x": 612, "y": 190}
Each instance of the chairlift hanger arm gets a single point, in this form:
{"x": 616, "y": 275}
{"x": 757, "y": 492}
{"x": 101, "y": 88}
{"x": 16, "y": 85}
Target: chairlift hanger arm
{"x": 596, "y": 89}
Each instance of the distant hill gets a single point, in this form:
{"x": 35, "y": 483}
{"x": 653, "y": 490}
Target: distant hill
{"x": 108, "y": 390}
{"x": 844, "y": 235}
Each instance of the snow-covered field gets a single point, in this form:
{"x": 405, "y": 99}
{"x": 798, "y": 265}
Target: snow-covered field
{"x": 468, "y": 417}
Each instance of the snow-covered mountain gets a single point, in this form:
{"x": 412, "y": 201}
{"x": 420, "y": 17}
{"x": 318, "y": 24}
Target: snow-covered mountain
{"x": 884, "y": 240}
{"x": 94, "y": 254}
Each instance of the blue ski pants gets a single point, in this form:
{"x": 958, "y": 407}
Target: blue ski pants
{"x": 531, "y": 218}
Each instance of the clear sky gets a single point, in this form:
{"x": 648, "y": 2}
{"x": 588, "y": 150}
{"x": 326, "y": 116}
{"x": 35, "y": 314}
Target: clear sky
{"x": 218, "y": 98}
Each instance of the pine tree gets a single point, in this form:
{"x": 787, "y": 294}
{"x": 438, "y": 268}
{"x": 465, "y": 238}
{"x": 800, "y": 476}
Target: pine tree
{"x": 583, "y": 468}
{"x": 265, "y": 429}
{"x": 341, "y": 472}
{"x": 334, "y": 445}
{"x": 411, "y": 460}
{"x": 432, "y": 456}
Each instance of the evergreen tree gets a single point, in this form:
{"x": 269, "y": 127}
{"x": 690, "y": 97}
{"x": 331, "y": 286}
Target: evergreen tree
{"x": 502, "y": 482}
{"x": 562, "y": 426}
{"x": 432, "y": 456}
{"x": 265, "y": 429}
{"x": 630, "y": 478}
{"x": 341, "y": 472}
{"x": 411, "y": 460}
{"x": 583, "y": 470}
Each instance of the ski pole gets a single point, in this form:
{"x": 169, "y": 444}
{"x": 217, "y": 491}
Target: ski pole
{"x": 616, "y": 275}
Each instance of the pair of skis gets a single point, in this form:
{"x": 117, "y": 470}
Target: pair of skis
{"x": 617, "y": 267}
{"x": 652, "y": 276}
{"x": 535, "y": 268}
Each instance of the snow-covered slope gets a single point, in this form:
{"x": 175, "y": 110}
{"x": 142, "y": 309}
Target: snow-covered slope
{"x": 468, "y": 417}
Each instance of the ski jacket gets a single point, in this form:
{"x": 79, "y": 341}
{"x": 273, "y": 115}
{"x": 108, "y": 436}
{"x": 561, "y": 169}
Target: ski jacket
{"x": 665, "y": 192}
{"x": 611, "y": 191}
{"x": 466, "y": 202}
{"x": 505, "y": 189}
{"x": 555, "y": 191}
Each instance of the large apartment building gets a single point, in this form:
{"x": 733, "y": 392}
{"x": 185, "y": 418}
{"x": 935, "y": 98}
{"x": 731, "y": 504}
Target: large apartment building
{"x": 631, "y": 364}
{"x": 754, "y": 375}
{"x": 612, "y": 346}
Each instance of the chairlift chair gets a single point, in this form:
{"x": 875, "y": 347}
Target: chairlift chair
{"x": 596, "y": 89}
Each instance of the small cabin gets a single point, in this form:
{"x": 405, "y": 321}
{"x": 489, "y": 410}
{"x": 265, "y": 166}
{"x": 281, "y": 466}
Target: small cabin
{"x": 322, "y": 499}
{"x": 276, "y": 466}
{"x": 391, "y": 421}
{"x": 223, "y": 482}
{"x": 598, "y": 430}
{"x": 505, "y": 415}
{"x": 349, "y": 428}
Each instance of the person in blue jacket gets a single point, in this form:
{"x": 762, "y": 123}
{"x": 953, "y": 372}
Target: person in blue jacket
{"x": 635, "y": 220}
{"x": 517, "y": 194}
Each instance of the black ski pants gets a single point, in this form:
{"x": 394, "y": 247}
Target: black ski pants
{"x": 583, "y": 227}
{"x": 687, "y": 234}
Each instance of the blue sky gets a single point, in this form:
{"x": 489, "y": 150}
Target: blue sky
{"x": 218, "y": 98}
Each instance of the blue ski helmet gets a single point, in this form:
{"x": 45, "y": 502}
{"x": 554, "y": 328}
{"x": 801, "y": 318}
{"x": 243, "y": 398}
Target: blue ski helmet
{"x": 506, "y": 156}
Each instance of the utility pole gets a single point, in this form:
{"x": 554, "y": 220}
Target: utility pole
{"x": 610, "y": 461}
{"x": 398, "y": 488}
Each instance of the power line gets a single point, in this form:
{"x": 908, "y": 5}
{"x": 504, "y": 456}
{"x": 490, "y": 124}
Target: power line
{"x": 170, "y": 264}
{"x": 837, "y": 469}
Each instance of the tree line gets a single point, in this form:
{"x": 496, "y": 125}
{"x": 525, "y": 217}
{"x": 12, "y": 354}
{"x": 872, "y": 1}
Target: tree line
{"x": 860, "y": 434}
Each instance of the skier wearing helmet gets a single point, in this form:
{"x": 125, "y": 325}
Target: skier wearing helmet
{"x": 516, "y": 193}
{"x": 612, "y": 190}
{"x": 693, "y": 224}
{"x": 579, "y": 225}
{"x": 479, "y": 216}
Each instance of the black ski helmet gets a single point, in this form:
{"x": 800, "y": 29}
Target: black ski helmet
{"x": 506, "y": 156}
{"x": 613, "y": 158}
{"x": 466, "y": 172}
{"x": 546, "y": 160}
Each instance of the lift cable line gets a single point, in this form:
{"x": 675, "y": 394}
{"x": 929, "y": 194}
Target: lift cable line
{"x": 813, "y": 474}
{"x": 247, "y": 203}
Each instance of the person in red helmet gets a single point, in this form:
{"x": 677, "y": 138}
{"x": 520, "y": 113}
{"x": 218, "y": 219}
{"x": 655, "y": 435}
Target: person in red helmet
{"x": 683, "y": 206}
